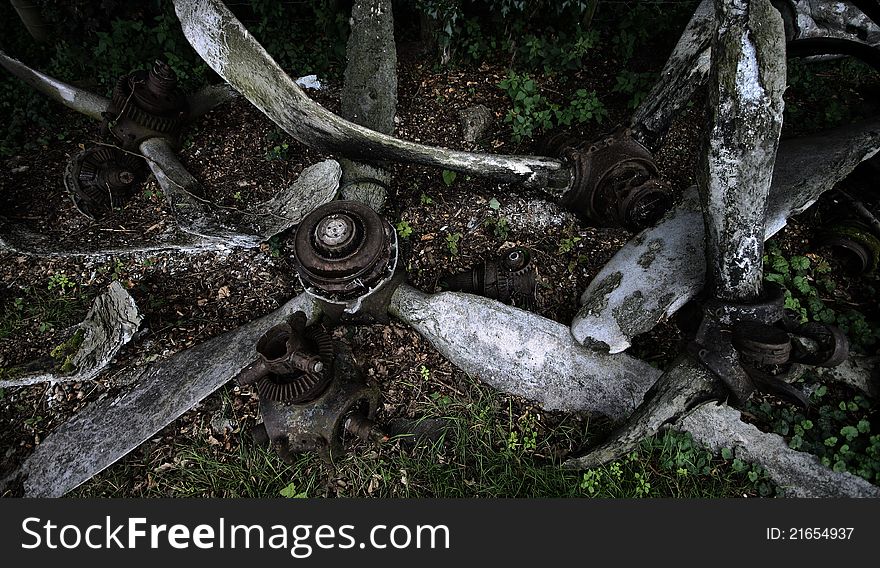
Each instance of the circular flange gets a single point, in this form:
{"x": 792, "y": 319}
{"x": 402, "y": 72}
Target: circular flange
{"x": 832, "y": 342}
{"x": 516, "y": 259}
{"x": 344, "y": 250}
{"x": 102, "y": 178}
{"x": 760, "y": 343}
{"x": 336, "y": 235}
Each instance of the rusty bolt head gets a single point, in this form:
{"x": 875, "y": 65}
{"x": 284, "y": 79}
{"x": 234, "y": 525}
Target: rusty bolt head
{"x": 335, "y": 234}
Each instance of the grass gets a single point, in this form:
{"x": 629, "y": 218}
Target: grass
{"x": 490, "y": 450}
{"x": 41, "y": 309}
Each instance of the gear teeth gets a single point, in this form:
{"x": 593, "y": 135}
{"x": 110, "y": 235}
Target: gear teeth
{"x": 125, "y": 107}
{"x": 91, "y": 178}
{"x": 302, "y": 387}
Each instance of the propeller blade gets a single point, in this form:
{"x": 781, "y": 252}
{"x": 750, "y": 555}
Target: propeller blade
{"x": 522, "y": 353}
{"x": 224, "y": 43}
{"x": 72, "y": 97}
{"x": 102, "y": 433}
{"x": 315, "y": 186}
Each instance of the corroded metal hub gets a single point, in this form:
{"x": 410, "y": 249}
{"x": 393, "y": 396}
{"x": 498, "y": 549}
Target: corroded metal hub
{"x": 320, "y": 425}
{"x": 335, "y": 235}
{"x": 854, "y": 243}
{"x": 615, "y": 180}
{"x": 102, "y": 178}
{"x": 759, "y": 346}
{"x": 145, "y": 103}
{"x": 344, "y": 251}
{"x": 510, "y": 279}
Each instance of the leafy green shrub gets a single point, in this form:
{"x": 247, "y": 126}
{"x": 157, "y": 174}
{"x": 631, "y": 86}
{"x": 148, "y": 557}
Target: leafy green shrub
{"x": 826, "y": 94}
{"x": 532, "y": 112}
{"x": 839, "y": 427}
{"x": 452, "y": 242}
{"x": 584, "y": 107}
{"x": 557, "y": 53}
{"x": 404, "y": 229}
{"x": 636, "y": 24}
{"x": 676, "y": 460}
{"x": 547, "y": 35}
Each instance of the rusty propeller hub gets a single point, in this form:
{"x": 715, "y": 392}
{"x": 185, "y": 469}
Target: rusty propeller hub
{"x": 616, "y": 181}
{"x": 145, "y": 103}
{"x": 761, "y": 346}
{"x": 344, "y": 250}
{"x": 294, "y": 363}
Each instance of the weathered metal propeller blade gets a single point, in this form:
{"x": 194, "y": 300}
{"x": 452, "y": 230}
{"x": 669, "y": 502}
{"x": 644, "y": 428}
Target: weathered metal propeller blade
{"x": 746, "y": 84}
{"x": 686, "y": 69}
{"x": 72, "y": 97}
{"x": 369, "y": 94}
{"x": 663, "y": 267}
{"x": 215, "y": 227}
{"x": 111, "y": 322}
{"x": 102, "y": 433}
{"x": 18, "y": 238}
{"x": 208, "y": 98}
{"x": 522, "y": 353}
{"x": 223, "y": 42}
{"x": 798, "y": 474}
{"x": 315, "y": 186}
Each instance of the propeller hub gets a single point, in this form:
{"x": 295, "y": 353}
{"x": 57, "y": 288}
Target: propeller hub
{"x": 344, "y": 250}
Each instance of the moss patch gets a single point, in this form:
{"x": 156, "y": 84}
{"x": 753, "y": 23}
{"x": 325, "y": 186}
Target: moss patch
{"x": 599, "y": 299}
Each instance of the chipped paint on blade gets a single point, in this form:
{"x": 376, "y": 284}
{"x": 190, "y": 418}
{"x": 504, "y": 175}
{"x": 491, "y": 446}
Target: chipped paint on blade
{"x": 112, "y": 321}
{"x": 805, "y": 168}
{"x": 105, "y": 431}
{"x": 521, "y": 353}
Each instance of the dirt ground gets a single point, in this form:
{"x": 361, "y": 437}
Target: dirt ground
{"x": 189, "y": 298}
